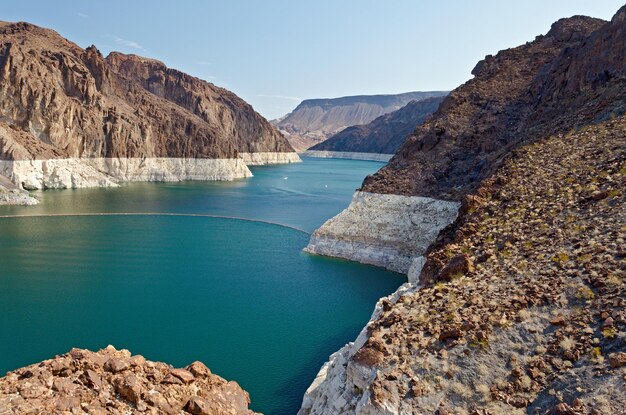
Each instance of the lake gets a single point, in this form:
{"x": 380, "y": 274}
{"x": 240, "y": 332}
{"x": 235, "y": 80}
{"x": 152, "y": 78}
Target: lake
{"x": 238, "y": 295}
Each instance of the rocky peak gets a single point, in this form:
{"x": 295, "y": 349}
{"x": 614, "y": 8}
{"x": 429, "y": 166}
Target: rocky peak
{"x": 96, "y": 64}
{"x": 574, "y": 28}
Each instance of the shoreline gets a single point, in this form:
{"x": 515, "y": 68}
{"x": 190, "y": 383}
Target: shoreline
{"x": 73, "y": 173}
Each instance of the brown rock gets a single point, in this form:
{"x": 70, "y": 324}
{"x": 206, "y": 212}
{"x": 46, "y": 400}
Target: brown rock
{"x": 92, "y": 379}
{"x": 172, "y": 380}
{"x": 184, "y": 375}
{"x": 563, "y": 409}
{"x": 115, "y": 365}
{"x": 63, "y": 385}
{"x": 129, "y": 387}
{"x": 67, "y": 403}
{"x": 457, "y": 266}
{"x": 199, "y": 406}
{"x": 558, "y": 320}
{"x": 617, "y": 359}
{"x": 199, "y": 369}
{"x": 31, "y": 391}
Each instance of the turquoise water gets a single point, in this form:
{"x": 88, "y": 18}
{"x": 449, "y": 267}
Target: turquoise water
{"x": 237, "y": 295}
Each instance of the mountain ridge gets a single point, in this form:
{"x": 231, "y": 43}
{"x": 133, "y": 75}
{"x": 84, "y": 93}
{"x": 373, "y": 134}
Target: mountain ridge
{"x": 314, "y": 120}
{"x": 385, "y": 134}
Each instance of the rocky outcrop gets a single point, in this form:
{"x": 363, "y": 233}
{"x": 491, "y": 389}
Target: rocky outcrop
{"x": 108, "y": 120}
{"x": 348, "y": 155}
{"x": 520, "y": 303}
{"x": 383, "y": 135}
{"x": 314, "y": 120}
{"x": 113, "y": 381}
{"x": 389, "y": 231}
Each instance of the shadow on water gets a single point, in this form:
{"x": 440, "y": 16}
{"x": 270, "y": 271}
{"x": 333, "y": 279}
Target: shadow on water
{"x": 290, "y": 394}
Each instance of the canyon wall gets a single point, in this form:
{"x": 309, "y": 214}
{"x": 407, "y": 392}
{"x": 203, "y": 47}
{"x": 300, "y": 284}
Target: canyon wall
{"x": 71, "y": 118}
{"x": 510, "y": 313}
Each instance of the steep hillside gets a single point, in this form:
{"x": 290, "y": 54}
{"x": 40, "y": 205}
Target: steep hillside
{"x": 522, "y": 303}
{"x": 518, "y": 307}
{"x": 383, "y": 135}
{"x": 87, "y": 121}
{"x": 314, "y": 120}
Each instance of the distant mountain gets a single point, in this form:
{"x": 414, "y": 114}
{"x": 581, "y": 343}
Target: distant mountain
{"x": 314, "y": 120}
{"x": 385, "y": 134}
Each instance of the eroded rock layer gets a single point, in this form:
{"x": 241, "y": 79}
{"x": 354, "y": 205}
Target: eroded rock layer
{"x": 389, "y": 231}
{"x": 113, "y": 381}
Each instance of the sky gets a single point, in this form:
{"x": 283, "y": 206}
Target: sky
{"x": 275, "y": 53}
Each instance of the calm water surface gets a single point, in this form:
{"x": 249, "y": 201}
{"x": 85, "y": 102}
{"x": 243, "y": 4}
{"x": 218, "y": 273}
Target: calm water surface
{"x": 238, "y": 295}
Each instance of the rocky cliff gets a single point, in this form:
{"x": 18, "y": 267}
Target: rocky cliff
{"x": 98, "y": 118}
{"x": 385, "y": 134}
{"x": 314, "y": 120}
{"x": 567, "y": 78}
{"x": 113, "y": 381}
{"x": 518, "y": 306}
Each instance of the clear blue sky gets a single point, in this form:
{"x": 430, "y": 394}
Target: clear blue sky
{"x": 275, "y": 53}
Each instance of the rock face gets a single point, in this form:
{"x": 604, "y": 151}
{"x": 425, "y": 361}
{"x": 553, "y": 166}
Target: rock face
{"x": 385, "y": 134}
{"x": 520, "y": 303}
{"x": 108, "y": 120}
{"x": 115, "y": 382}
{"x": 314, "y": 120}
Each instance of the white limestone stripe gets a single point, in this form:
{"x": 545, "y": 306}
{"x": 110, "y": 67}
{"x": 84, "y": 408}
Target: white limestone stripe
{"x": 390, "y": 231}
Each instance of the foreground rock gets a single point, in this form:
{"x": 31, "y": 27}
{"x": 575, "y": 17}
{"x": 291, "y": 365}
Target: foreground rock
{"x": 113, "y": 381}
{"x": 72, "y": 118}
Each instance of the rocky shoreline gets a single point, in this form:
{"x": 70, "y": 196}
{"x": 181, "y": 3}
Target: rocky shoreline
{"x": 519, "y": 305}
{"x": 347, "y": 155}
